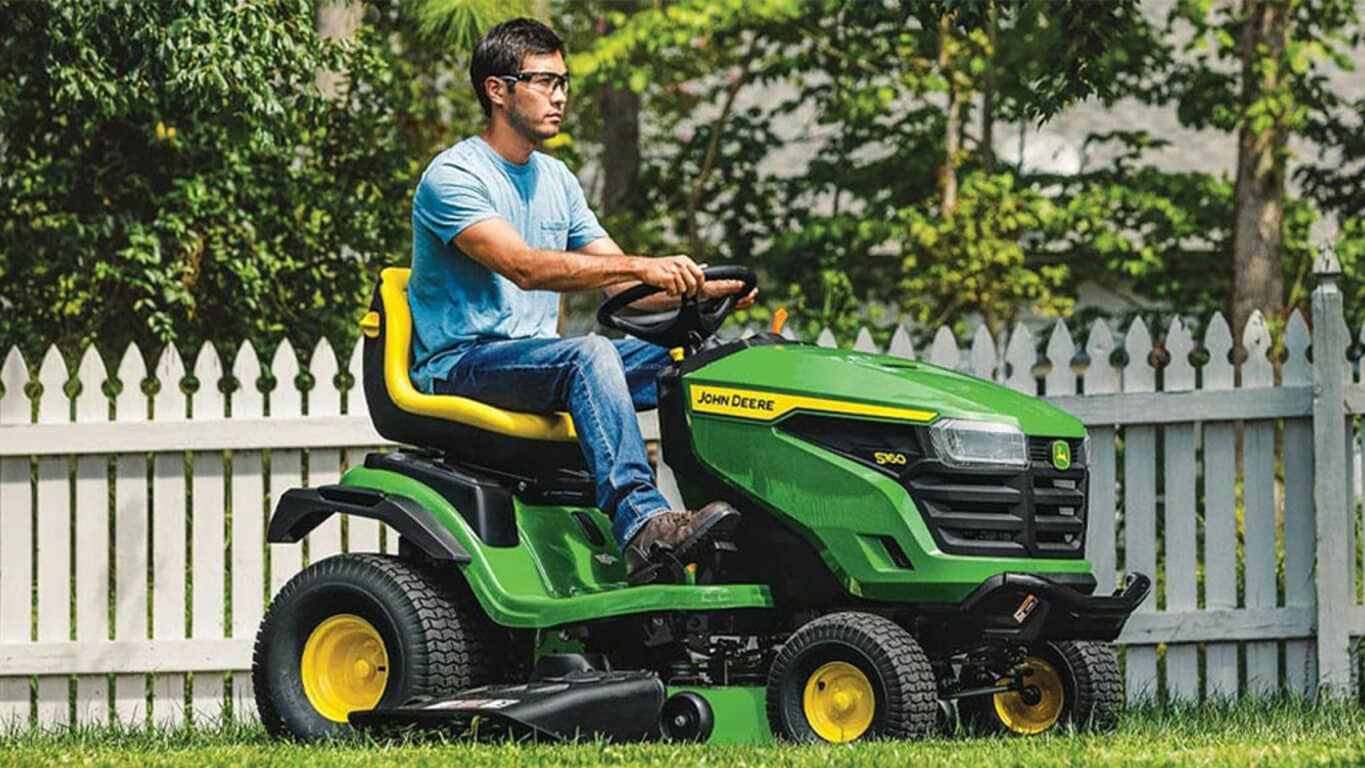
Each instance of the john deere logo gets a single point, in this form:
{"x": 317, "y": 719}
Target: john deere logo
{"x": 1061, "y": 454}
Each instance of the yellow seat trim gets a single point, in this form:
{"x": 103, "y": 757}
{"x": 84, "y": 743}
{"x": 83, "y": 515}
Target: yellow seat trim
{"x": 393, "y": 292}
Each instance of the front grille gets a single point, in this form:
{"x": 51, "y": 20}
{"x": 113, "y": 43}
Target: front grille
{"x": 1034, "y": 512}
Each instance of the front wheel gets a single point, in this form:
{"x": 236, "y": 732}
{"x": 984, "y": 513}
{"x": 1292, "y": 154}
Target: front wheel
{"x": 850, "y": 676}
{"x": 1070, "y": 682}
{"x": 357, "y": 632}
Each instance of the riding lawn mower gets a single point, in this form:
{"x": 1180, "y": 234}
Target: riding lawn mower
{"x": 911, "y": 551}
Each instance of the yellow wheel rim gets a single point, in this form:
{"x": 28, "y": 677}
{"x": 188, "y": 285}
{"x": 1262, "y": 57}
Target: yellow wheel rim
{"x": 1022, "y": 717}
{"x": 344, "y": 666}
{"x": 839, "y": 702}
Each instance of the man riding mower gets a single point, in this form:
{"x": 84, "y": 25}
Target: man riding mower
{"x": 866, "y": 544}
{"x": 909, "y": 538}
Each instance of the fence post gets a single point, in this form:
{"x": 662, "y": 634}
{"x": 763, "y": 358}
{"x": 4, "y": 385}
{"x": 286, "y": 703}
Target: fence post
{"x": 1334, "y": 581}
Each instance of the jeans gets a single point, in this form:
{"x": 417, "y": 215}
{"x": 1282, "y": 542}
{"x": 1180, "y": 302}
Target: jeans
{"x": 601, "y": 383}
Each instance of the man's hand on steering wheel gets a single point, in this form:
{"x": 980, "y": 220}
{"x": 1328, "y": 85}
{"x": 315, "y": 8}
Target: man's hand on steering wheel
{"x": 676, "y": 275}
{"x": 681, "y": 276}
{"x": 716, "y": 289}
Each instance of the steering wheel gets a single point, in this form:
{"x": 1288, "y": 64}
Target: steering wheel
{"x": 687, "y": 326}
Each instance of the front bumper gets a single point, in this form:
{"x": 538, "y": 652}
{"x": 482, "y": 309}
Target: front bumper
{"x": 1020, "y": 607}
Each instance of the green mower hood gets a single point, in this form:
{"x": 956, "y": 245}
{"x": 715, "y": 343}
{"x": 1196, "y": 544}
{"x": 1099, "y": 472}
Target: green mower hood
{"x": 921, "y": 391}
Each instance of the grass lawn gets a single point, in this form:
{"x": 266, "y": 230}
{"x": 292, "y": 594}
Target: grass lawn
{"x": 1278, "y": 734}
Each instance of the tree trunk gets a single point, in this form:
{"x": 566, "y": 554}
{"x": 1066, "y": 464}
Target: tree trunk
{"x": 1257, "y": 243}
{"x": 336, "y": 20}
{"x": 621, "y": 160}
{"x": 988, "y": 95}
{"x": 620, "y": 138}
{"x": 947, "y": 173}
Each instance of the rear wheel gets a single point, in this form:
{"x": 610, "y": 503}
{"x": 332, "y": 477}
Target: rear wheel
{"x": 850, "y": 676}
{"x": 1066, "y": 683}
{"x": 356, "y": 632}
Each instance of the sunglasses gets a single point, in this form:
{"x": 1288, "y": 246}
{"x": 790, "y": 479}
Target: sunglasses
{"x": 540, "y": 82}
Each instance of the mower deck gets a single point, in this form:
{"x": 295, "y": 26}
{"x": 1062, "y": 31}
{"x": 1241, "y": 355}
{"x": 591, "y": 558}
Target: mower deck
{"x": 618, "y": 705}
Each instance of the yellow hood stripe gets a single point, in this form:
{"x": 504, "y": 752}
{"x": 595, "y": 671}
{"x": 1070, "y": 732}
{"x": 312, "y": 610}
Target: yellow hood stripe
{"x": 767, "y": 406}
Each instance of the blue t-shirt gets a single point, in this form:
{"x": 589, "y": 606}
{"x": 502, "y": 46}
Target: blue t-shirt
{"x": 457, "y": 301}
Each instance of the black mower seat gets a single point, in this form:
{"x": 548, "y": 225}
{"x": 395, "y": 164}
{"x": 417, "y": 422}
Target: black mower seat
{"x": 465, "y": 430}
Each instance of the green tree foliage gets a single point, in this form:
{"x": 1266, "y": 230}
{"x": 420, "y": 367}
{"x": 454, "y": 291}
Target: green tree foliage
{"x": 152, "y": 159}
{"x": 1334, "y": 180}
{"x": 870, "y": 211}
{"x": 458, "y": 24}
{"x": 169, "y": 171}
{"x": 896, "y": 104}
{"x": 1261, "y": 70}
{"x": 978, "y": 259}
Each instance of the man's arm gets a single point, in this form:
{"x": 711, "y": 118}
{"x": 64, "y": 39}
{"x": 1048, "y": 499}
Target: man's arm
{"x": 605, "y": 246}
{"x": 713, "y": 289}
{"x": 496, "y": 245}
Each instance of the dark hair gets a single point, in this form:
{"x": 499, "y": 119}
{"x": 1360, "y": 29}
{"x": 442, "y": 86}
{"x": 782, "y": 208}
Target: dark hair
{"x": 502, "y": 48}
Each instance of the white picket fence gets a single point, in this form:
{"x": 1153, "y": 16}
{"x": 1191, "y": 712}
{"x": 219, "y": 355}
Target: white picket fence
{"x": 133, "y": 567}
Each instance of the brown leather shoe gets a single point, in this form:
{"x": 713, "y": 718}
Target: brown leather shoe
{"x": 682, "y": 531}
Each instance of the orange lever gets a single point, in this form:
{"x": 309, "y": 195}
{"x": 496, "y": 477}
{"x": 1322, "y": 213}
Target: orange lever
{"x": 779, "y": 319}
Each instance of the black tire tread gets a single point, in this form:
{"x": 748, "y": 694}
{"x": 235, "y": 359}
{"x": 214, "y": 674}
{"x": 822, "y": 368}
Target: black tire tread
{"x": 1094, "y": 689}
{"x": 912, "y": 693}
{"x": 459, "y": 652}
{"x": 1098, "y": 698}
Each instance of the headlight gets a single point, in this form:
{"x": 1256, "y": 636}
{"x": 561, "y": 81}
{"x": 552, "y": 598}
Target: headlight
{"x": 979, "y": 443}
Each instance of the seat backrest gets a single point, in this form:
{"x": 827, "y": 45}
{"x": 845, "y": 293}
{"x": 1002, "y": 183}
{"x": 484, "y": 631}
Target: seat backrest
{"x": 388, "y": 355}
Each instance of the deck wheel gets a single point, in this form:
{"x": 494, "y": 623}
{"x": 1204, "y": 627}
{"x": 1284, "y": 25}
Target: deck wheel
{"x": 686, "y": 716}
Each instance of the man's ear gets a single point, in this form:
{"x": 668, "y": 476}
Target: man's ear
{"x": 496, "y": 88}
